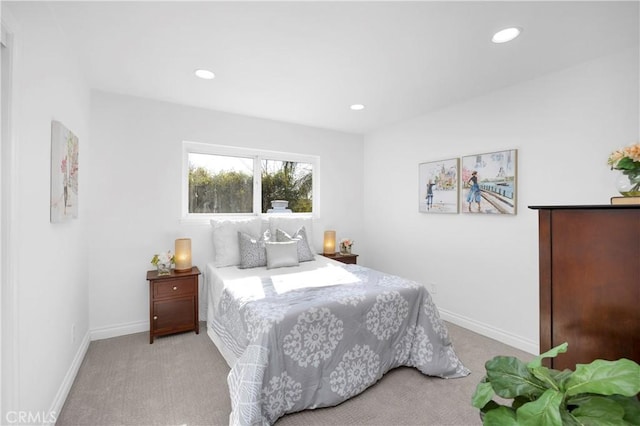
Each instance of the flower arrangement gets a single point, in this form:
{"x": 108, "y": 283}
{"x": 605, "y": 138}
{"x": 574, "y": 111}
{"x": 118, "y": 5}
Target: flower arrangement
{"x": 627, "y": 160}
{"x": 345, "y": 245}
{"x": 163, "y": 262}
{"x": 165, "y": 258}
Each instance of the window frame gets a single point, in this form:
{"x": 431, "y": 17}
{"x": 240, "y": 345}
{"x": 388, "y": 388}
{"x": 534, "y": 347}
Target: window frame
{"x": 189, "y": 147}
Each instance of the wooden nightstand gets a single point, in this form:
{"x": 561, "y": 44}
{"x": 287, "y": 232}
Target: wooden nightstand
{"x": 173, "y": 302}
{"x": 344, "y": 258}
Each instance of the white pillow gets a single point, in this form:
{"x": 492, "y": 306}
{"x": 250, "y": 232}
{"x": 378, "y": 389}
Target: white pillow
{"x": 304, "y": 251}
{"x": 225, "y": 238}
{"x": 264, "y": 225}
{"x": 291, "y": 225}
{"x": 282, "y": 254}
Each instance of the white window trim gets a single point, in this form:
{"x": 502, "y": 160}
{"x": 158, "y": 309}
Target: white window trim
{"x": 258, "y": 155}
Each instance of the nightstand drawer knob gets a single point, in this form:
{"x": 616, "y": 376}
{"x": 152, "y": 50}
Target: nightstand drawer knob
{"x": 155, "y": 317}
{"x": 175, "y": 288}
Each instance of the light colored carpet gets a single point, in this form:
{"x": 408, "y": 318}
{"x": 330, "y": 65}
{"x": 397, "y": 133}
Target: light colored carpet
{"x": 181, "y": 380}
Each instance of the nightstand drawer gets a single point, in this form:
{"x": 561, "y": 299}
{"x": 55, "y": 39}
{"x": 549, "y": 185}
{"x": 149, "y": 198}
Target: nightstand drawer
{"x": 174, "y": 288}
{"x": 348, "y": 259}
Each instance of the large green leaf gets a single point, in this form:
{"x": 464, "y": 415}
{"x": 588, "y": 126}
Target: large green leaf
{"x": 592, "y": 421}
{"x": 544, "y": 411}
{"x": 483, "y": 394}
{"x": 510, "y": 377}
{"x": 503, "y": 416}
{"x": 621, "y": 377}
{"x": 595, "y": 409}
{"x": 551, "y": 353}
{"x": 519, "y": 401}
{"x": 629, "y": 404}
{"x": 627, "y": 163}
{"x": 491, "y": 405}
{"x": 546, "y": 376}
{"x": 631, "y": 407}
{"x": 567, "y": 418}
{"x": 561, "y": 377}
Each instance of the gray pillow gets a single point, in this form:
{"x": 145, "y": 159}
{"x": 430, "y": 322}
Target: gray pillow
{"x": 304, "y": 250}
{"x": 282, "y": 254}
{"x": 252, "y": 250}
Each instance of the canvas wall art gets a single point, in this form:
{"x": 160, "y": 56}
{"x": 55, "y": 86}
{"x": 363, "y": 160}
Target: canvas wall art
{"x": 438, "y": 186}
{"x": 64, "y": 173}
{"x": 488, "y": 183}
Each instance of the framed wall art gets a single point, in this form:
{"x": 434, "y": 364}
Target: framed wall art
{"x": 64, "y": 173}
{"x": 489, "y": 183}
{"x": 438, "y": 186}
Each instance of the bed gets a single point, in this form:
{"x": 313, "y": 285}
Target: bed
{"x": 318, "y": 333}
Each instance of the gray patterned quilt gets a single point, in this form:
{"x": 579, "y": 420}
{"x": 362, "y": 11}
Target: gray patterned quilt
{"x": 317, "y": 338}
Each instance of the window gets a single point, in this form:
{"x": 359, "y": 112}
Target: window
{"x": 287, "y": 180}
{"x": 228, "y": 180}
{"x": 220, "y": 184}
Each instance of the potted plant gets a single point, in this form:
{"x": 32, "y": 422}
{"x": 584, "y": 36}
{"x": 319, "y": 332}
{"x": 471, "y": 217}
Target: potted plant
{"x": 599, "y": 393}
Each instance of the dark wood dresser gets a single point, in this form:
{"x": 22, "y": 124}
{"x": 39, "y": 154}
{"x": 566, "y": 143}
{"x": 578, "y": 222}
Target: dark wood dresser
{"x": 589, "y": 282}
{"x": 173, "y": 302}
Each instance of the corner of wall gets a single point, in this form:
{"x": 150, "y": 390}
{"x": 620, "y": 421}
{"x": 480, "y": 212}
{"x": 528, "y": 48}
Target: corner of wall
{"x": 69, "y": 377}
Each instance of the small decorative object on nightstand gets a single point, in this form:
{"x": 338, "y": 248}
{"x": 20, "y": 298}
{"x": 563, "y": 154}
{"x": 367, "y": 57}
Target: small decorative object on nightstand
{"x": 163, "y": 262}
{"x": 345, "y": 245}
{"x": 344, "y": 258}
{"x": 173, "y": 302}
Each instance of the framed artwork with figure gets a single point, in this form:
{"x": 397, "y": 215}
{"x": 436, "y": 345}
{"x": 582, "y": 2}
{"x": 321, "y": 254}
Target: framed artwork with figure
{"x": 438, "y": 186}
{"x": 489, "y": 183}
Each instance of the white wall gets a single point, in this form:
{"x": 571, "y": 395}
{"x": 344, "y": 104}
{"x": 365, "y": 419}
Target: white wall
{"x": 51, "y": 259}
{"x": 485, "y": 268}
{"x": 135, "y": 181}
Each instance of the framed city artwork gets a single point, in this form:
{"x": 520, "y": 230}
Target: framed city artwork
{"x": 489, "y": 183}
{"x": 64, "y": 173}
{"x": 438, "y": 186}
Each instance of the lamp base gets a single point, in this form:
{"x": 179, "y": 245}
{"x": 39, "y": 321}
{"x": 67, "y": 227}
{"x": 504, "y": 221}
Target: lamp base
{"x": 182, "y": 270}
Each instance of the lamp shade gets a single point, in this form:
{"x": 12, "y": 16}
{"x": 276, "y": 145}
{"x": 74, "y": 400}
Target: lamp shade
{"x": 183, "y": 255}
{"x": 329, "y": 245}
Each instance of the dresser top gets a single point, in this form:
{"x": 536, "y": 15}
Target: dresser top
{"x": 589, "y": 207}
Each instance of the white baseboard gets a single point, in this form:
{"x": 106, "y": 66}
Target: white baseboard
{"x": 492, "y": 332}
{"x": 119, "y": 330}
{"x": 67, "y": 382}
{"x": 468, "y": 323}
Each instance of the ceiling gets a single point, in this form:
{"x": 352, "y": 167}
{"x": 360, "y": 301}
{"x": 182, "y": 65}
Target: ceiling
{"x": 307, "y": 62}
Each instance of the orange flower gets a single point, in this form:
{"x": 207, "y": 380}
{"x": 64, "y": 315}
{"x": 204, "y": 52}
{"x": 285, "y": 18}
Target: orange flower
{"x": 628, "y": 155}
{"x": 633, "y": 152}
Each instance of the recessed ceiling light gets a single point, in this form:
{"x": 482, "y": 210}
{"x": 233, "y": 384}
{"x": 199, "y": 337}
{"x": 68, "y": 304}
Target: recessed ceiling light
{"x": 205, "y": 74}
{"x": 506, "y": 35}
{"x": 357, "y": 107}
